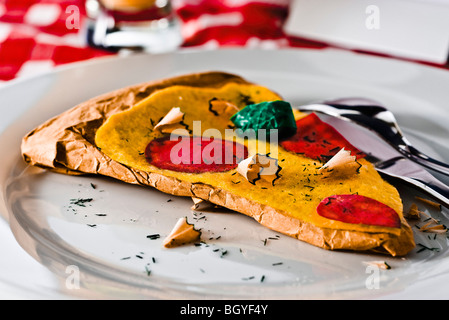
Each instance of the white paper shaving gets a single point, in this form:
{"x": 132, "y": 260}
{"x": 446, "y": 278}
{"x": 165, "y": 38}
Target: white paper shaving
{"x": 171, "y": 121}
{"x": 341, "y": 158}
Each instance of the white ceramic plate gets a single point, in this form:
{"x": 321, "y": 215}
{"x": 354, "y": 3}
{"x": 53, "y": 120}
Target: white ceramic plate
{"x": 102, "y": 249}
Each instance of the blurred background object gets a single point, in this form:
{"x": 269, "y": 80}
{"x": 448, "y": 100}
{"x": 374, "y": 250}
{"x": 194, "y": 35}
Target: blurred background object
{"x": 410, "y": 29}
{"x": 148, "y": 25}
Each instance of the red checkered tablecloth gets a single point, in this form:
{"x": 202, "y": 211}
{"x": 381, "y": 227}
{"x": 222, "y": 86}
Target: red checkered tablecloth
{"x": 36, "y": 35}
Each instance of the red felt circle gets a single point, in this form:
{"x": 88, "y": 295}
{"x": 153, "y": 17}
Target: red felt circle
{"x": 195, "y": 154}
{"x": 357, "y": 209}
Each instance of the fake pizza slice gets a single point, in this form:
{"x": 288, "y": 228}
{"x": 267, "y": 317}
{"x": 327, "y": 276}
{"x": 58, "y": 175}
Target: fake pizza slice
{"x": 191, "y": 138}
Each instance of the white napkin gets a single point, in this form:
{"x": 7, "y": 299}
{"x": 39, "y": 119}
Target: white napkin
{"x": 411, "y": 29}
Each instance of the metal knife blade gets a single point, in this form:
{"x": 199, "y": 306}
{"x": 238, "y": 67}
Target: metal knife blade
{"x": 389, "y": 162}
